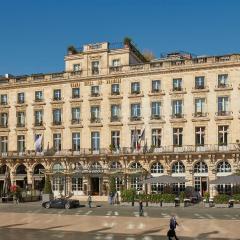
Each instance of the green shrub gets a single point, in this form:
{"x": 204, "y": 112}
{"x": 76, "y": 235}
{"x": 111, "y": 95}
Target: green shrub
{"x": 112, "y": 185}
{"x": 182, "y": 195}
{"x": 236, "y": 197}
{"x": 47, "y": 186}
{"x": 128, "y": 195}
{"x": 168, "y": 198}
{"x": 221, "y": 199}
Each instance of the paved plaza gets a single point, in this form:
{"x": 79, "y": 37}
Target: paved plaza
{"x": 31, "y": 221}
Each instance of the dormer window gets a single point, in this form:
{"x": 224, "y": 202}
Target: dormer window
{"x": 115, "y": 62}
{"x": 95, "y": 67}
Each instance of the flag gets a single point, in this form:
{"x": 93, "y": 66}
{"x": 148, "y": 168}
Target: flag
{"x": 145, "y": 148}
{"x": 142, "y": 136}
{"x": 38, "y": 144}
{"x": 135, "y": 138}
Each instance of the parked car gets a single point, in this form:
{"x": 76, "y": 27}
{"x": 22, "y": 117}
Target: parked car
{"x": 61, "y": 203}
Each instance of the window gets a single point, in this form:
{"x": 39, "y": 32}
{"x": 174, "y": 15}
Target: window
{"x": 38, "y": 117}
{"x": 21, "y": 143}
{"x": 4, "y": 120}
{"x": 75, "y": 92}
{"x": 157, "y": 187}
{"x": 57, "y": 142}
{"x": 199, "y": 107}
{"x": 95, "y": 91}
{"x": 135, "y": 87}
{"x": 76, "y": 141}
{"x": 20, "y": 119}
{"x": 178, "y": 167}
{"x": 116, "y": 165}
{"x": 157, "y": 168}
{"x": 115, "y": 112}
{"x": 58, "y": 183}
{"x": 135, "y": 111}
{"x": 222, "y": 80}
{"x": 223, "y": 135}
{"x": 177, "y": 137}
{"x": 57, "y": 116}
{"x": 177, "y": 84}
{"x": 223, "y": 106}
{"x": 4, "y": 99}
{"x": 177, "y": 108}
{"x": 38, "y": 142}
{"x": 38, "y": 96}
{"x": 200, "y": 167}
{"x": 57, "y": 94}
{"x": 76, "y": 115}
{"x": 95, "y": 140}
{"x": 223, "y": 167}
{"x": 21, "y": 98}
{"x": 116, "y": 63}
{"x": 95, "y": 67}
{"x": 115, "y": 139}
{"x": 4, "y": 144}
{"x": 76, "y": 67}
{"x": 224, "y": 189}
{"x": 115, "y": 89}
{"x": 118, "y": 183}
{"x": 156, "y": 110}
{"x": 199, "y": 82}
{"x": 95, "y": 113}
{"x": 136, "y": 183}
{"x": 200, "y": 136}
{"x": 135, "y": 165}
{"x": 156, "y": 137}
{"x": 156, "y": 86}
{"x": 77, "y": 184}
{"x": 135, "y": 136}
{"x": 178, "y": 187}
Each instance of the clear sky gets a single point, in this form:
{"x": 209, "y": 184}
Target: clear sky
{"x": 34, "y": 35}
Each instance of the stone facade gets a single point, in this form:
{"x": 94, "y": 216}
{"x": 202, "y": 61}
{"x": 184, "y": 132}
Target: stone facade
{"x": 179, "y": 112}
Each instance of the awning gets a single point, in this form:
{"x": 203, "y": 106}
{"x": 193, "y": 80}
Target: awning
{"x": 165, "y": 179}
{"x": 230, "y": 179}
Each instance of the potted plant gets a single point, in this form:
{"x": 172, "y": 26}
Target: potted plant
{"x": 221, "y": 200}
{"x": 236, "y": 198}
{"x": 206, "y": 199}
{"x": 182, "y": 196}
{"x": 47, "y": 191}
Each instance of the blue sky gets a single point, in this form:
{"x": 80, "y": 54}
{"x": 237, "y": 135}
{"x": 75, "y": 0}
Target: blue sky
{"x": 34, "y": 35}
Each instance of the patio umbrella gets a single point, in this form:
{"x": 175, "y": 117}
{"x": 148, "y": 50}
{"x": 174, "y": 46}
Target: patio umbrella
{"x": 164, "y": 179}
{"x": 230, "y": 179}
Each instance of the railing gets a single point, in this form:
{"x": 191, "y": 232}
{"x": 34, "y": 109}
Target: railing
{"x": 20, "y": 125}
{"x": 75, "y": 121}
{"x": 95, "y": 94}
{"x": 115, "y": 119}
{"x": 177, "y": 115}
{"x": 233, "y": 147}
{"x": 223, "y": 113}
{"x": 56, "y": 123}
{"x": 115, "y": 93}
{"x": 4, "y": 125}
{"x": 199, "y": 87}
{"x": 114, "y": 69}
{"x": 224, "y": 85}
{"x": 38, "y": 124}
{"x": 177, "y": 89}
{"x": 135, "y": 118}
{"x": 95, "y": 120}
{"x": 200, "y": 114}
{"x": 156, "y": 117}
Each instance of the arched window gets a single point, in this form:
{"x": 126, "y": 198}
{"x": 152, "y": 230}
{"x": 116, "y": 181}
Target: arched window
{"x": 58, "y": 167}
{"x": 77, "y": 166}
{"x": 38, "y": 169}
{"x": 21, "y": 169}
{"x": 157, "y": 168}
{"x": 96, "y": 165}
{"x": 178, "y": 167}
{"x": 223, "y": 167}
{"x": 116, "y": 165}
{"x": 200, "y": 167}
{"x": 136, "y": 165}
{"x": 3, "y": 169}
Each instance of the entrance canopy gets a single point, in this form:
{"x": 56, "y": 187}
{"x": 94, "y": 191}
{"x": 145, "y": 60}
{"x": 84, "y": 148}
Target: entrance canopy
{"x": 230, "y": 179}
{"x": 164, "y": 179}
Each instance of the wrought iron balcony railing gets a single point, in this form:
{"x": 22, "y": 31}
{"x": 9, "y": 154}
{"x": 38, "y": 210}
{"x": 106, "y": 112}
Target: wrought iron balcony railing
{"x": 223, "y": 113}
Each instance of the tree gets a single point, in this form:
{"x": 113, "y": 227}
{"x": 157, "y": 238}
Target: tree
{"x": 47, "y": 186}
{"x": 112, "y": 185}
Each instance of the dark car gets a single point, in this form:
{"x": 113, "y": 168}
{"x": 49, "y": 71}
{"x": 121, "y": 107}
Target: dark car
{"x": 61, "y": 203}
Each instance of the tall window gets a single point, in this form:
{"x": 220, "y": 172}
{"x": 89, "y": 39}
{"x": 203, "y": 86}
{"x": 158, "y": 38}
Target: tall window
{"x": 115, "y": 139}
{"x": 95, "y": 91}
{"x": 156, "y": 86}
{"x": 21, "y": 143}
{"x": 135, "y": 136}
{"x": 57, "y": 116}
{"x": 115, "y": 112}
{"x": 4, "y": 144}
{"x": 177, "y": 137}
{"x": 4, "y": 120}
{"x": 95, "y": 67}
{"x": 21, "y": 98}
{"x": 177, "y": 84}
{"x": 95, "y": 113}
{"x": 38, "y": 96}
{"x": 199, "y": 82}
{"x": 76, "y": 141}
{"x": 57, "y": 95}
{"x": 75, "y": 115}
{"x": 135, "y": 87}
{"x": 77, "y": 184}
{"x": 200, "y": 136}
{"x": 20, "y": 119}
{"x": 223, "y": 105}
{"x": 199, "y": 106}
{"x": 223, "y": 135}
{"x": 38, "y": 117}
{"x": 177, "y": 108}
{"x": 156, "y": 137}
{"x": 95, "y": 140}
{"x": 135, "y": 110}
{"x": 115, "y": 89}
{"x": 156, "y": 110}
{"x": 75, "y": 92}
{"x": 136, "y": 183}
{"x": 57, "y": 142}
{"x": 222, "y": 80}
{"x": 4, "y": 99}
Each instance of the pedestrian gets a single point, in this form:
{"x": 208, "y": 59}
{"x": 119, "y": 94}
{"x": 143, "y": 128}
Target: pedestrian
{"x": 173, "y": 223}
{"x": 140, "y": 208}
{"x": 89, "y": 200}
{"x": 171, "y": 234}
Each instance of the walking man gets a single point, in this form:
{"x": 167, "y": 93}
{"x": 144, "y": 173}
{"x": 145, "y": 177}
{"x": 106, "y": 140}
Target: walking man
{"x": 173, "y": 223}
{"x": 140, "y": 208}
{"x": 89, "y": 200}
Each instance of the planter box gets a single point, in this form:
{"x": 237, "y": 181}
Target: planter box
{"x": 168, "y": 204}
{"x": 236, "y": 205}
{"x": 47, "y": 197}
{"x": 222, "y": 205}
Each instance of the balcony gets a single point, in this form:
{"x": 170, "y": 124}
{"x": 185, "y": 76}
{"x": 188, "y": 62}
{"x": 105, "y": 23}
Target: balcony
{"x": 76, "y": 121}
{"x": 223, "y": 115}
{"x": 200, "y": 88}
{"x": 3, "y": 125}
{"x": 177, "y": 117}
{"x": 135, "y": 93}
{"x": 38, "y": 124}
{"x": 115, "y": 93}
{"x": 20, "y": 125}
{"x": 200, "y": 116}
{"x": 178, "y": 90}
{"x": 76, "y": 73}
{"x": 95, "y": 120}
{"x": 223, "y": 87}
{"x": 115, "y": 119}
{"x": 156, "y": 117}
{"x": 115, "y": 69}
{"x": 57, "y": 123}
{"x": 135, "y": 118}
{"x": 95, "y": 94}
{"x": 156, "y": 92}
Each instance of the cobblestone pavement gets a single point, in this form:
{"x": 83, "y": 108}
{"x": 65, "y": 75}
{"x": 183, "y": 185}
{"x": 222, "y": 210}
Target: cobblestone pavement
{"x": 31, "y": 221}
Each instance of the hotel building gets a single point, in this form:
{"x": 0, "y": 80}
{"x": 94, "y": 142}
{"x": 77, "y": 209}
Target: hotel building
{"x": 112, "y": 113}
